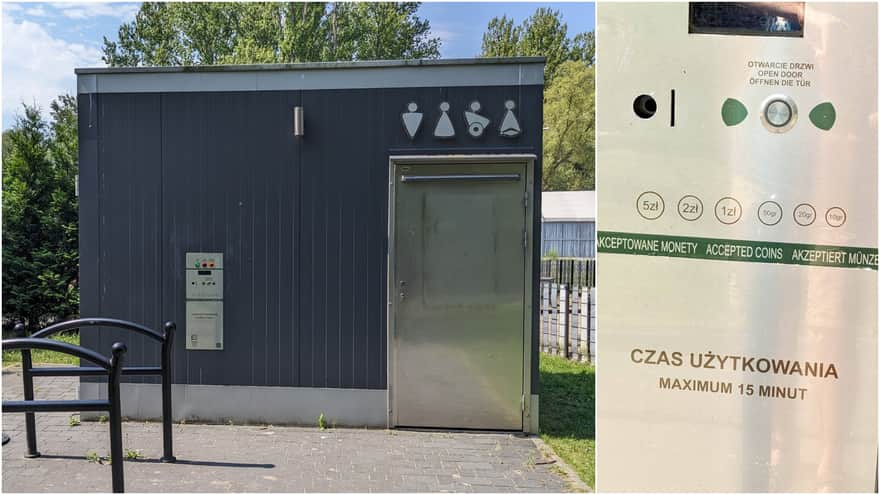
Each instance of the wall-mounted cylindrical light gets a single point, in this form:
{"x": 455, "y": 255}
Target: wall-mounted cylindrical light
{"x": 298, "y": 124}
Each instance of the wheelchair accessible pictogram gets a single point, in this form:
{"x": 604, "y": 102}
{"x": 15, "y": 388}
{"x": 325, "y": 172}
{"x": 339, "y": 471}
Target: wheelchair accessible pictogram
{"x": 476, "y": 122}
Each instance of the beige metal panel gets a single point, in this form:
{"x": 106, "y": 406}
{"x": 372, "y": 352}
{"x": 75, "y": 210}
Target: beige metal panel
{"x": 459, "y": 295}
{"x": 655, "y": 439}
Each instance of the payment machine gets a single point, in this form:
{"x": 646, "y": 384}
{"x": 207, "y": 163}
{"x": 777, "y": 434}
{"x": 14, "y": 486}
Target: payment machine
{"x": 204, "y": 301}
{"x": 737, "y": 164}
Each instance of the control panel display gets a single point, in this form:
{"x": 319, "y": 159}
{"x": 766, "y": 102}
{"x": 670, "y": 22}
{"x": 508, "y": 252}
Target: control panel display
{"x": 748, "y": 18}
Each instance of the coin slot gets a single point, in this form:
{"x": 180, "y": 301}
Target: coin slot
{"x": 645, "y": 106}
{"x": 672, "y": 108}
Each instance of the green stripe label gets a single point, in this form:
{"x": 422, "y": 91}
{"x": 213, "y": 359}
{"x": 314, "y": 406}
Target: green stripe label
{"x": 735, "y": 250}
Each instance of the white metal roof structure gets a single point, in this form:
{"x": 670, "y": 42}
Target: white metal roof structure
{"x": 501, "y": 71}
{"x": 568, "y": 206}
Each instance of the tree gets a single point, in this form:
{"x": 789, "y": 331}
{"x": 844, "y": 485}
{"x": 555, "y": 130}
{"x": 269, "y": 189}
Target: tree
{"x": 151, "y": 39}
{"x": 583, "y": 48}
{"x": 569, "y": 89}
{"x": 569, "y": 135}
{"x": 182, "y": 33}
{"x": 501, "y": 38}
{"x": 62, "y": 281}
{"x": 39, "y": 216}
{"x": 543, "y": 34}
{"x": 389, "y": 30}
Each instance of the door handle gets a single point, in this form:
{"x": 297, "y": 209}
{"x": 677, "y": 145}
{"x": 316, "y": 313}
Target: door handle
{"x": 455, "y": 177}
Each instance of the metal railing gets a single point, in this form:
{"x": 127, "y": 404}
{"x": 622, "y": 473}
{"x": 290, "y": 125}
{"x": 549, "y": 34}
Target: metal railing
{"x": 166, "y": 339}
{"x": 568, "y": 307}
{"x": 112, "y": 368}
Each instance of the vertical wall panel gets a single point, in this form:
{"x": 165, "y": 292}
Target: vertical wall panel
{"x": 126, "y": 224}
{"x": 89, "y": 213}
{"x": 229, "y": 163}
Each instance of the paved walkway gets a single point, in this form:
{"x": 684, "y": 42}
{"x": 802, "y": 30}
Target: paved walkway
{"x": 226, "y": 458}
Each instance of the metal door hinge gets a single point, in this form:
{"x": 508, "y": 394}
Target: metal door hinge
{"x": 522, "y": 403}
{"x": 525, "y": 239}
{"x": 526, "y": 201}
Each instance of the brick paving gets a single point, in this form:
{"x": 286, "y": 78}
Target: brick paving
{"x": 234, "y": 458}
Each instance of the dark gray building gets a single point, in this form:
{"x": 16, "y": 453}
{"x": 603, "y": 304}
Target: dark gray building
{"x": 353, "y": 239}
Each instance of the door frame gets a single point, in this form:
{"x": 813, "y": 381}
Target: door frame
{"x": 528, "y": 162}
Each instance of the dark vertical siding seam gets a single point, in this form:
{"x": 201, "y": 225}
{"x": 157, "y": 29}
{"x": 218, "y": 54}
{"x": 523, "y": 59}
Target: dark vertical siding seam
{"x": 295, "y": 266}
{"x": 350, "y": 283}
{"x": 278, "y": 110}
{"x": 379, "y": 302}
{"x": 159, "y": 254}
{"x": 326, "y": 210}
{"x": 339, "y": 345}
{"x": 266, "y": 284}
{"x": 100, "y": 212}
{"x": 252, "y": 250}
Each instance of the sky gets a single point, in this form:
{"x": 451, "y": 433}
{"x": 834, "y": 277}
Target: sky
{"x": 44, "y": 42}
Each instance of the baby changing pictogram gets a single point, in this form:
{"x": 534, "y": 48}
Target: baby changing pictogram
{"x": 510, "y": 125}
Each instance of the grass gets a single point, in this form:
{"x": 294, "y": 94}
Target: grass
{"x": 567, "y": 413}
{"x": 40, "y": 356}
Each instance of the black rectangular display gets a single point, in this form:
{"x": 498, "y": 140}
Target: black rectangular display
{"x": 785, "y": 19}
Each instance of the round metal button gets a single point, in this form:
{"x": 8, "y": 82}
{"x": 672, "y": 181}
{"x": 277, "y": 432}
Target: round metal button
{"x": 778, "y": 113}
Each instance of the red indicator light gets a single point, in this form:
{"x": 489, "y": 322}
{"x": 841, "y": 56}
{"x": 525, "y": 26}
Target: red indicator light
{"x": 204, "y": 265}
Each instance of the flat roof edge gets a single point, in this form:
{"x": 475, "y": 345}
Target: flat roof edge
{"x": 520, "y": 71}
{"x": 360, "y": 64}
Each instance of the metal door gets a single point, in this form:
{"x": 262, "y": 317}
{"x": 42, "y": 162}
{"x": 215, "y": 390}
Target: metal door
{"x": 458, "y": 295}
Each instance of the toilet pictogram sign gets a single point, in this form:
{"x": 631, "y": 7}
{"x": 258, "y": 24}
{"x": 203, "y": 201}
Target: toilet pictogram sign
{"x": 444, "y": 128}
{"x": 412, "y": 120}
{"x": 510, "y": 126}
{"x": 476, "y": 122}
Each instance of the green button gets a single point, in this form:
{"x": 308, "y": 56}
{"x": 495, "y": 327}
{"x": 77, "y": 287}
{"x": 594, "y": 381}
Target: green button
{"x": 733, "y": 112}
{"x": 823, "y": 116}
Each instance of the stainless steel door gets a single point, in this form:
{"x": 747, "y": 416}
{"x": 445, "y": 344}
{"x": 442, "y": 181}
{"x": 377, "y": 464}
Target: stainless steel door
{"x": 459, "y": 266}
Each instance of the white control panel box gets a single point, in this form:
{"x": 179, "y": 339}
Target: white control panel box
{"x": 204, "y": 325}
{"x": 204, "y": 301}
{"x": 204, "y": 284}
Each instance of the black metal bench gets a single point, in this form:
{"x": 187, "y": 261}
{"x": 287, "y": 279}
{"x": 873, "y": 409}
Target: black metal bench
{"x": 112, "y": 368}
{"x": 166, "y": 339}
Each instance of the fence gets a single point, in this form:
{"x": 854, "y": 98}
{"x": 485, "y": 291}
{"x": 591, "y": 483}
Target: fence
{"x": 568, "y": 308}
